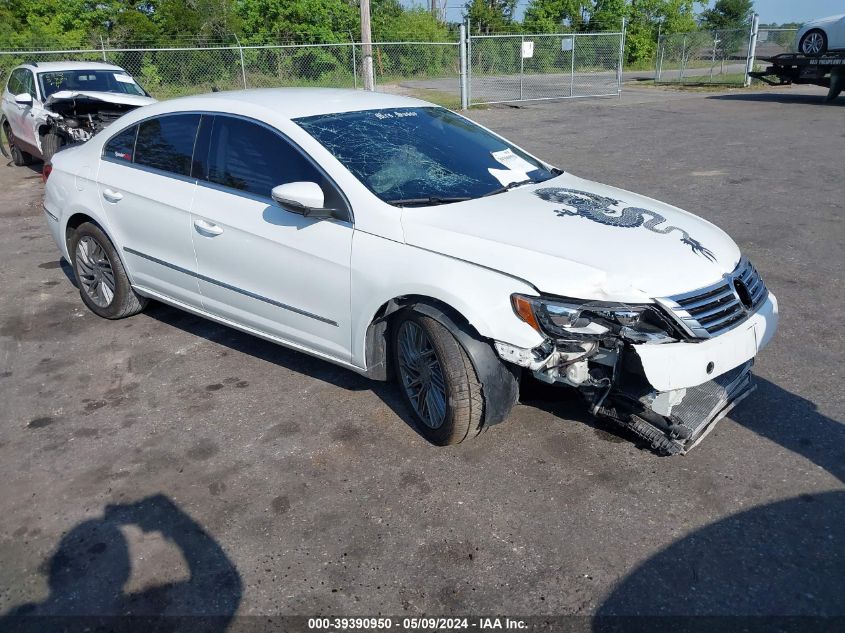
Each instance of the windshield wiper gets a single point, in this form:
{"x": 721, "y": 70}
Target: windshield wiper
{"x": 530, "y": 181}
{"x": 510, "y": 186}
{"x": 430, "y": 200}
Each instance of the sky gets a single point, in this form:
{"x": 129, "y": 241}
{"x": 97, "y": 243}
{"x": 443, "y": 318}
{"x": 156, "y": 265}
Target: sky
{"x": 778, "y": 11}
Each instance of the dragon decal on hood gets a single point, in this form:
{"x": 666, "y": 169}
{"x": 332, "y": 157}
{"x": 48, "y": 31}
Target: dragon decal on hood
{"x": 598, "y": 209}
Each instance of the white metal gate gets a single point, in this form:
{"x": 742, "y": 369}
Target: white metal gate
{"x": 505, "y": 68}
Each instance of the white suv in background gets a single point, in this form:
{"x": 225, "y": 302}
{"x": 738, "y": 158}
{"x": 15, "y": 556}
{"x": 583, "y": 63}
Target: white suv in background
{"x": 397, "y": 238}
{"x": 52, "y": 104}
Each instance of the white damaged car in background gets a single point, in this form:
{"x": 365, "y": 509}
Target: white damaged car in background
{"x": 400, "y": 239}
{"x": 53, "y": 104}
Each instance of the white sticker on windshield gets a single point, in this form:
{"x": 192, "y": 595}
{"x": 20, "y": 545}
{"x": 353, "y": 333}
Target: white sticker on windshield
{"x": 124, "y": 78}
{"x": 512, "y": 161}
{"x": 507, "y": 176}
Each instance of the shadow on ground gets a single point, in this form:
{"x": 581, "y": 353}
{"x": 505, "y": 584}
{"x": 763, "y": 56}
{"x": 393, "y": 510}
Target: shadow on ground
{"x": 773, "y": 562}
{"x": 89, "y": 569}
{"x": 781, "y": 565}
{"x": 780, "y": 97}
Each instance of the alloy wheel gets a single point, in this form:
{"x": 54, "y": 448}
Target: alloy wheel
{"x": 421, "y": 374}
{"x": 95, "y": 271}
{"x": 813, "y": 44}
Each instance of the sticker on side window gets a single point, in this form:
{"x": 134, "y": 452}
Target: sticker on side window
{"x": 124, "y": 78}
{"x": 510, "y": 160}
{"x": 123, "y": 156}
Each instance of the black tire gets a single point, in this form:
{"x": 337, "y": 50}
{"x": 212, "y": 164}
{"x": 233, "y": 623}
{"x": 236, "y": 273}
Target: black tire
{"x": 814, "y": 33}
{"x": 50, "y": 144}
{"x": 19, "y": 157}
{"x": 464, "y": 404}
{"x": 124, "y": 301}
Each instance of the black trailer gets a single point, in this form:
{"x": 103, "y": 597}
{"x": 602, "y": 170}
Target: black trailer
{"x": 794, "y": 68}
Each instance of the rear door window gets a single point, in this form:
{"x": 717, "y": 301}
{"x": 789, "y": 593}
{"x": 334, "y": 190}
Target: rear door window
{"x": 122, "y": 146}
{"x": 167, "y": 143}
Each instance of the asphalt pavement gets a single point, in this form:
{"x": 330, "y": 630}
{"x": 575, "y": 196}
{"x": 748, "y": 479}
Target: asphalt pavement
{"x": 170, "y": 465}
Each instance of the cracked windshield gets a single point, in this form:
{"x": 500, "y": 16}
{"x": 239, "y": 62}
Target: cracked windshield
{"x": 419, "y": 156}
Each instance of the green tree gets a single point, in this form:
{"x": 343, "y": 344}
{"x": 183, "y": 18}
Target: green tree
{"x": 728, "y": 14}
{"x": 608, "y": 14}
{"x": 647, "y": 18}
{"x": 488, "y": 16}
{"x": 551, "y": 16}
{"x": 307, "y": 21}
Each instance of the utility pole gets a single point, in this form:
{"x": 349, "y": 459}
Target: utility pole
{"x": 435, "y": 10}
{"x": 367, "y": 45}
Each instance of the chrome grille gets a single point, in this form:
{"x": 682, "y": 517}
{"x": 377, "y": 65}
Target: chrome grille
{"x": 710, "y": 311}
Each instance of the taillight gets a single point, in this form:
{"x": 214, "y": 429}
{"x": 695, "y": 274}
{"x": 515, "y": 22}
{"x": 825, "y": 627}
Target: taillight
{"x": 45, "y": 171}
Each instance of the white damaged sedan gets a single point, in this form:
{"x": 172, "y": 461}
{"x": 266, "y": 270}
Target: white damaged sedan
{"x": 397, "y": 238}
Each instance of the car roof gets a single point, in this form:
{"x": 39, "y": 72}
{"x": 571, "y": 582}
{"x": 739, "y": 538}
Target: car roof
{"x": 41, "y": 67}
{"x": 292, "y": 103}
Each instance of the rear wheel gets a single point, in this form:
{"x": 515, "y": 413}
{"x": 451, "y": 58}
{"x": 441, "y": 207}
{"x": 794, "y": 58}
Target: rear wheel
{"x": 103, "y": 284}
{"x": 813, "y": 43}
{"x": 437, "y": 380}
{"x": 19, "y": 157}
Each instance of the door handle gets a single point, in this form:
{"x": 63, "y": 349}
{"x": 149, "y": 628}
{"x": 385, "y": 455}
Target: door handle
{"x": 209, "y": 229}
{"x": 112, "y": 196}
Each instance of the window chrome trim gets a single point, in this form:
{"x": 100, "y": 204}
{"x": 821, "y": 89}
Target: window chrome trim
{"x": 350, "y": 220}
{"x": 246, "y": 293}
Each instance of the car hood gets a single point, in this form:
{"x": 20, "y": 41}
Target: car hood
{"x": 576, "y": 238}
{"x": 107, "y": 97}
{"x": 823, "y": 21}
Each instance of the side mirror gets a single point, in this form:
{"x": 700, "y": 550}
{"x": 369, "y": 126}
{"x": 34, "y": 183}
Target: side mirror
{"x": 304, "y": 198}
{"x": 23, "y": 99}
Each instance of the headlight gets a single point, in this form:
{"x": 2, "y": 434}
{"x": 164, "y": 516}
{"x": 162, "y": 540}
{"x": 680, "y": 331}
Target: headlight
{"x": 594, "y": 319}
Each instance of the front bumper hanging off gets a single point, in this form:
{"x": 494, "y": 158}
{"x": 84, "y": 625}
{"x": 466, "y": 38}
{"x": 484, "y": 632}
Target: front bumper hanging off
{"x": 674, "y": 428}
{"x": 670, "y": 394}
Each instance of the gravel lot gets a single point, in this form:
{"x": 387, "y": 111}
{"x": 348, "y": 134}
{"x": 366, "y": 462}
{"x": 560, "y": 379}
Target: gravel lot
{"x": 164, "y": 464}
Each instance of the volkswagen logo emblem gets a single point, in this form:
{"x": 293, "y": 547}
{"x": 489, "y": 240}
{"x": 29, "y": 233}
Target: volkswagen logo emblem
{"x": 743, "y": 294}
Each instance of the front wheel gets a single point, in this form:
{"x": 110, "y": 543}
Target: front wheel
{"x": 103, "y": 284}
{"x": 813, "y": 43}
{"x": 50, "y": 144}
{"x": 438, "y": 381}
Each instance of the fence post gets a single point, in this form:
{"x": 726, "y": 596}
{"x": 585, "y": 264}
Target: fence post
{"x": 469, "y": 64}
{"x": 619, "y": 77}
{"x": 462, "y": 52}
{"x": 752, "y": 49}
{"x": 713, "y": 60}
{"x": 521, "y": 63}
{"x": 683, "y": 60}
{"x": 103, "y": 48}
{"x": 354, "y": 63}
{"x": 243, "y": 66}
{"x": 657, "y": 54}
{"x": 572, "y": 69}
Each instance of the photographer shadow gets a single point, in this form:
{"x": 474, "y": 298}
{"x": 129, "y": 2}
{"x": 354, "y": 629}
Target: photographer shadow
{"x": 92, "y": 564}
{"x": 777, "y": 566}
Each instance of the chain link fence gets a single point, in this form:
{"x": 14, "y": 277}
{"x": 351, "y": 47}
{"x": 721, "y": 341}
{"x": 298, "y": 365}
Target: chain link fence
{"x": 500, "y": 68}
{"x": 534, "y": 67}
{"x": 703, "y": 57}
{"x": 173, "y": 72}
{"x": 771, "y": 42}
{"x": 718, "y": 57}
